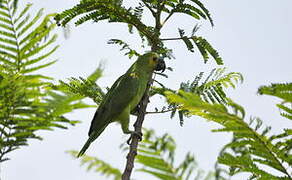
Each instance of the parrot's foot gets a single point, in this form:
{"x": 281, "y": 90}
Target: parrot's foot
{"x": 134, "y": 133}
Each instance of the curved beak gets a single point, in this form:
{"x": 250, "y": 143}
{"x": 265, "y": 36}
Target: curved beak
{"x": 160, "y": 65}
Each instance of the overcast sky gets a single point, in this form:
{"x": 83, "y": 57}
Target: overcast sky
{"x": 253, "y": 37}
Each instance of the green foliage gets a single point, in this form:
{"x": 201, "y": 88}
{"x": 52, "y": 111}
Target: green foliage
{"x": 82, "y": 88}
{"x": 99, "y": 10}
{"x": 124, "y": 46}
{"x": 27, "y": 103}
{"x": 252, "y": 149}
{"x": 14, "y": 3}
{"x": 204, "y": 47}
{"x": 282, "y": 91}
{"x": 156, "y": 156}
{"x": 114, "y": 11}
{"x": 210, "y": 89}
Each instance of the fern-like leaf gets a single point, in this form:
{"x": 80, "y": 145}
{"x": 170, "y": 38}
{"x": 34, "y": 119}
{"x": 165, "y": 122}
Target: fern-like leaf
{"x": 282, "y": 91}
{"x": 252, "y": 147}
{"x": 205, "y": 49}
{"x": 157, "y": 155}
{"x": 82, "y": 88}
{"x": 27, "y": 104}
{"x": 124, "y": 47}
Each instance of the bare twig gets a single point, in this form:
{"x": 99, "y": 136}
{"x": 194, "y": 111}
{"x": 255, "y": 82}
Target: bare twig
{"x": 164, "y": 111}
{"x": 173, "y": 39}
{"x": 161, "y": 74}
{"x": 169, "y": 15}
{"x": 166, "y": 19}
{"x": 147, "y": 5}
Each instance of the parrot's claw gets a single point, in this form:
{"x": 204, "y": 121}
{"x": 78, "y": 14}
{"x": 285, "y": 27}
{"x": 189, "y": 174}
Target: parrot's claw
{"x": 134, "y": 133}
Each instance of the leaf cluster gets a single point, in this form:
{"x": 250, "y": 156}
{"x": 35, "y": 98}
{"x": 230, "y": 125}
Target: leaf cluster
{"x": 114, "y": 11}
{"x": 124, "y": 47}
{"x": 252, "y": 149}
{"x": 27, "y": 103}
{"x": 157, "y": 156}
{"x": 210, "y": 88}
{"x": 282, "y": 91}
{"x": 204, "y": 47}
{"x": 84, "y": 88}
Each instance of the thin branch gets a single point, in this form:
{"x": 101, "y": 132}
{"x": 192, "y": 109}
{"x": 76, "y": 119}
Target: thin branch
{"x": 147, "y": 5}
{"x": 137, "y": 23}
{"x": 173, "y": 39}
{"x": 166, "y": 19}
{"x": 158, "y": 24}
{"x": 163, "y": 3}
{"x": 160, "y": 84}
{"x": 161, "y": 74}
{"x": 164, "y": 111}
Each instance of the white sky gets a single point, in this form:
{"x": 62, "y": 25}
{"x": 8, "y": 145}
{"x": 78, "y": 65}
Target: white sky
{"x": 253, "y": 37}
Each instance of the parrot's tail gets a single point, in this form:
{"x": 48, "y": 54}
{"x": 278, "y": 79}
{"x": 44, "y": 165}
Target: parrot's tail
{"x": 91, "y": 138}
{"x": 84, "y": 148}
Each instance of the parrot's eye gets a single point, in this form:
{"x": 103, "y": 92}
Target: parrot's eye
{"x": 155, "y": 58}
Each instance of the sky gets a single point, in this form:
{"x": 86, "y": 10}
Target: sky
{"x": 253, "y": 38}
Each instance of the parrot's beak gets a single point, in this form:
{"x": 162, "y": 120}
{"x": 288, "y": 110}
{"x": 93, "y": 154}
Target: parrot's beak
{"x": 160, "y": 65}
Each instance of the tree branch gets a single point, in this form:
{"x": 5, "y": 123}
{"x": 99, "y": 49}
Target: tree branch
{"x": 158, "y": 24}
{"x": 135, "y": 139}
{"x": 164, "y": 111}
{"x": 173, "y": 39}
{"x": 147, "y": 5}
{"x": 166, "y": 19}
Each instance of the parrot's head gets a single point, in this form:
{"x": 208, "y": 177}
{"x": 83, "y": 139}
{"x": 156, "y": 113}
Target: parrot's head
{"x": 152, "y": 61}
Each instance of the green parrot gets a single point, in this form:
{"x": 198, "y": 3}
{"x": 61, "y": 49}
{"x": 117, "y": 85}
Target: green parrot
{"x": 123, "y": 97}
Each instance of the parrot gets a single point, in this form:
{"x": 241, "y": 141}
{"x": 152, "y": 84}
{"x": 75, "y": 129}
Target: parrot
{"x": 124, "y": 96}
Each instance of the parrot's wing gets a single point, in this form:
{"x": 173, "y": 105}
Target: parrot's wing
{"x": 120, "y": 95}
